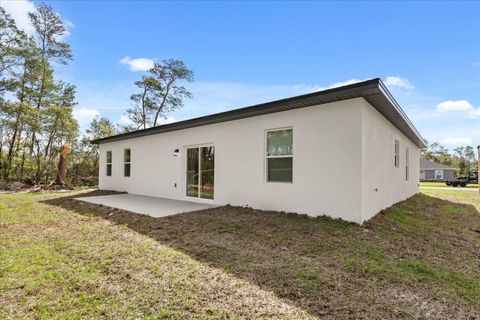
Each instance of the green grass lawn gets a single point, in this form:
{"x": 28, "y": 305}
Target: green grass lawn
{"x": 63, "y": 259}
{"x": 442, "y": 184}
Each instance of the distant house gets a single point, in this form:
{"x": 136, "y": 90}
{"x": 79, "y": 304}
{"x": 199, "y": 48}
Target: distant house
{"x": 430, "y": 170}
{"x": 292, "y": 155}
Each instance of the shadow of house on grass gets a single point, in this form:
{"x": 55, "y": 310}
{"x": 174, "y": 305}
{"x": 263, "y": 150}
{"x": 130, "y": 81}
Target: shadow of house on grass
{"x": 387, "y": 268}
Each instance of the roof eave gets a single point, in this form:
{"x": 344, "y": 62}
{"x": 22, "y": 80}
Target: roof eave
{"x": 421, "y": 142}
{"x": 369, "y": 90}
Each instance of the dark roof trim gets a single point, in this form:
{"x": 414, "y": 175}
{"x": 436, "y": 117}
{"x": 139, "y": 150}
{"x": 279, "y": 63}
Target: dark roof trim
{"x": 374, "y": 91}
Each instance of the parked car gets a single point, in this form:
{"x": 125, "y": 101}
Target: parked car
{"x": 463, "y": 181}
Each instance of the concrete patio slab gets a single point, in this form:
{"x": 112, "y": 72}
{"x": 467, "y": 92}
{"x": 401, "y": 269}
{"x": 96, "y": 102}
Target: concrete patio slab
{"x": 152, "y": 206}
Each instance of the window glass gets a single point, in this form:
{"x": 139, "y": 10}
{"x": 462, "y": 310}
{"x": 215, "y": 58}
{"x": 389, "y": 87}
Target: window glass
{"x": 280, "y": 142}
{"x": 126, "y": 155}
{"x": 126, "y": 164}
{"x": 407, "y": 176}
{"x": 201, "y": 172}
{"x": 397, "y": 154}
{"x": 438, "y": 174}
{"x": 207, "y": 160}
{"x": 192, "y": 172}
{"x": 109, "y": 163}
{"x": 280, "y": 169}
{"x": 279, "y": 155}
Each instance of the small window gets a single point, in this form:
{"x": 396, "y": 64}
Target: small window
{"x": 407, "y": 174}
{"x": 126, "y": 162}
{"x": 438, "y": 174}
{"x": 279, "y": 155}
{"x": 397, "y": 154}
{"x": 109, "y": 163}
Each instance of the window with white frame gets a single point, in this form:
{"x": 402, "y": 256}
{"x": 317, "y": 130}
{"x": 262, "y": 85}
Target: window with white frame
{"x": 438, "y": 174}
{"x": 126, "y": 162}
{"x": 407, "y": 173}
{"x": 279, "y": 155}
{"x": 397, "y": 154}
{"x": 109, "y": 163}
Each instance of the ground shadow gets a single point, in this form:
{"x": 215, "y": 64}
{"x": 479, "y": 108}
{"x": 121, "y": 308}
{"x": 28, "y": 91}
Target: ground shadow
{"x": 310, "y": 261}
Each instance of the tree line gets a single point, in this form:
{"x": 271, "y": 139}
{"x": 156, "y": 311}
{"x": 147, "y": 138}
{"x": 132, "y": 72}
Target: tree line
{"x": 36, "y": 113}
{"x": 461, "y": 158}
{"x": 37, "y": 126}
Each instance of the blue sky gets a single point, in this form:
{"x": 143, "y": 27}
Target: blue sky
{"x": 246, "y": 52}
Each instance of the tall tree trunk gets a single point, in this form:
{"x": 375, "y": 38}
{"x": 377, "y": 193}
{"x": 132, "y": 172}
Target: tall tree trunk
{"x": 144, "y": 112}
{"x": 18, "y": 124}
{"x": 22, "y": 166}
{"x": 39, "y": 163}
{"x": 18, "y": 144}
{"x": 11, "y": 147}
{"x": 162, "y": 104}
{"x": 40, "y": 93}
{"x": 62, "y": 166}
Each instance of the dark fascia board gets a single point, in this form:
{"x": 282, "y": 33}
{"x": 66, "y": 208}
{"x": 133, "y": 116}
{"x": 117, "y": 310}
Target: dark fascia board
{"x": 374, "y": 91}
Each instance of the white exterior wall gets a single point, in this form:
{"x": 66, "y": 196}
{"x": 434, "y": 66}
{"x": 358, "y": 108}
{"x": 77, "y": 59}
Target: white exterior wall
{"x": 326, "y": 162}
{"x": 330, "y": 144}
{"x": 383, "y": 184}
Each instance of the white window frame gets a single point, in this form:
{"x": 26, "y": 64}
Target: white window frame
{"x": 108, "y": 163}
{"x": 272, "y": 157}
{"x": 440, "y": 171}
{"x": 396, "y": 154}
{"x": 129, "y": 163}
{"x": 407, "y": 164}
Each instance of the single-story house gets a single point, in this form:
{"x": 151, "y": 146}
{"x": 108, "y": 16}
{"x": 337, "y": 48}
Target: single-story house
{"x": 346, "y": 152}
{"x": 430, "y": 170}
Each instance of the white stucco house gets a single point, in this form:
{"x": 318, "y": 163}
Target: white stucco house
{"x": 346, "y": 152}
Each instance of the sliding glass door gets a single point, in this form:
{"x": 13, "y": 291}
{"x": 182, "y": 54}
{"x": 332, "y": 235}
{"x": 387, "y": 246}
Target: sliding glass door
{"x": 192, "y": 172}
{"x": 201, "y": 172}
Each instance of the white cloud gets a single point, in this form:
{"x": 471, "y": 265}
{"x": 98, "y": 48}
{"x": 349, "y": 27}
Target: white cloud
{"x": 124, "y": 120}
{"x": 68, "y": 26}
{"x": 19, "y": 10}
{"x": 457, "y": 141}
{"x": 398, "y": 82}
{"x": 462, "y": 107}
{"x": 475, "y": 113}
{"x": 84, "y": 116}
{"x": 167, "y": 120}
{"x": 139, "y": 64}
{"x": 454, "y": 105}
{"x": 341, "y": 84}
{"x": 390, "y": 81}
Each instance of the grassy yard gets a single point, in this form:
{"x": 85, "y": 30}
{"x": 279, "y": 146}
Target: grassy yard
{"x": 61, "y": 258}
{"x": 442, "y": 184}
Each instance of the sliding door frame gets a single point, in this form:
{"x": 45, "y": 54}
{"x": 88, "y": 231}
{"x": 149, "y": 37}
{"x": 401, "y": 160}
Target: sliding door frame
{"x": 185, "y": 174}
